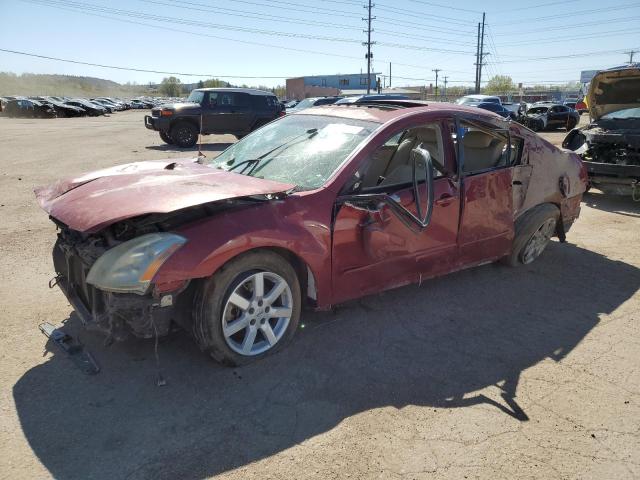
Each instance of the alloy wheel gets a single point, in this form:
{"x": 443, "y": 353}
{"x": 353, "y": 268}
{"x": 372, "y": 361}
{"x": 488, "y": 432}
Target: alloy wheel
{"x": 257, "y": 313}
{"x": 538, "y": 241}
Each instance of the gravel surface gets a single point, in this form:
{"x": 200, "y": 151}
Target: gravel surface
{"x": 488, "y": 373}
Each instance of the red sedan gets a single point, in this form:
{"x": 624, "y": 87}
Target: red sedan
{"x": 311, "y": 210}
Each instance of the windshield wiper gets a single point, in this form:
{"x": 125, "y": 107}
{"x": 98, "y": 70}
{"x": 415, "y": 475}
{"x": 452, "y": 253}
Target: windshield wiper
{"x": 252, "y": 163}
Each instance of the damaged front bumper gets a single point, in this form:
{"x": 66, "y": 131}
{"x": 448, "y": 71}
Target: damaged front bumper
{"x": 118, "y": 315}
{"x": 615, "y": 179}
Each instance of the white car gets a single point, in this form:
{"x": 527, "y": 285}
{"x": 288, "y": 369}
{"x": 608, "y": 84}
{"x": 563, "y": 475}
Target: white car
{"x": 468, "y": 99}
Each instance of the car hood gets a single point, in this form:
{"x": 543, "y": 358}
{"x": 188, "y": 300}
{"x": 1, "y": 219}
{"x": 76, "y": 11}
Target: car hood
{"x": 179, "y": 106}
{"x": 613, "y": 90}
{"x": 95, "y": 200}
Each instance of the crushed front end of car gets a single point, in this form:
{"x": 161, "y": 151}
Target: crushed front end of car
{"x": 106, "y": 278}
{"x": 610, "y": 144}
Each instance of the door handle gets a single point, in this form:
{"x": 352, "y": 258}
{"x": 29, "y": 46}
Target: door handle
{"x": 445, "y": 200}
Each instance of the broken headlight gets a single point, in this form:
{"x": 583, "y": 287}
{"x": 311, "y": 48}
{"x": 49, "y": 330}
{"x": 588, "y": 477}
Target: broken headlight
{"x": 130, "y": 266}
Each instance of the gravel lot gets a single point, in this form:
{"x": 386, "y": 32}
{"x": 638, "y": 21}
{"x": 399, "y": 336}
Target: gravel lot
{"x": 488, "y": 373}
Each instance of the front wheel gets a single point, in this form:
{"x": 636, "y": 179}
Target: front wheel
{"x": 166, "y": 138}
{"x": 184, "y": 134}
{"x": 533, "y": 232}
{"x": 249, "y": 309}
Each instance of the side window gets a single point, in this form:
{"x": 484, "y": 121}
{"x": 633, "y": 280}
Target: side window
{"x": 515, "y": 155}
{"x": 390, "y": 165}
{"x": 240, "y": 99}
{"x": 225, "y": 99}
{"x": 213, "y": 99}
{"x": 482, "y": 150}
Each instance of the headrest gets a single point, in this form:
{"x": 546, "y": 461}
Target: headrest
{"x": 424, "y": 134}
{"x": 476, "y": 139}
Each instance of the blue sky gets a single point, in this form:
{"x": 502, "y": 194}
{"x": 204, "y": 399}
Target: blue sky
{"x": 286, "y": 38}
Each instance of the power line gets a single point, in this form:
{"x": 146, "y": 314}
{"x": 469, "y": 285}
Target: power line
{"x": 610, "y": 33}
{"x": 537, "y": 6}
{"x": 564, "y": 27}
{"x": 589, "y": 12}
{"x": 132, "y": 69}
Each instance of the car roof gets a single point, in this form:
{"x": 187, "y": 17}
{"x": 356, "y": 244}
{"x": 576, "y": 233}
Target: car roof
{"x": 250, "y": 91}
{"x": 382, "y": 111}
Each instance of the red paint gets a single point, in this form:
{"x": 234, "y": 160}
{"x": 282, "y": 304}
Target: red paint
{"x": 361, "y": 250}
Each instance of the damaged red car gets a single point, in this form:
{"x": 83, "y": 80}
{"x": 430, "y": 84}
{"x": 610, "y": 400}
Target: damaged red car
{"x": 311, "y": 210}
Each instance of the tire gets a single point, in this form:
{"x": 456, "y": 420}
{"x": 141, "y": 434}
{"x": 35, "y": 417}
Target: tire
{"x": 184, "y": 134}
{"x": 533, "y": 231}
{"x": 166, "y": 138}
{"x": 215, "y": 326}
{"x": 571, "y": 124}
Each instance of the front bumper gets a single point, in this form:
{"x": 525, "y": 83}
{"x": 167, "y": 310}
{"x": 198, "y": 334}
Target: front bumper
{"x": 118, "y": 315}
{"x": 150, "y": 122}
{"x": 614, "y": 179}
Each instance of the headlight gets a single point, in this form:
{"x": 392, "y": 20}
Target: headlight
{"x": 130, "y": 267}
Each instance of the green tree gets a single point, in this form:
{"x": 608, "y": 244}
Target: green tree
{"x": 170, "y": 87}
{"x": 200, "y": 84}
{"x": 500, "y": 84}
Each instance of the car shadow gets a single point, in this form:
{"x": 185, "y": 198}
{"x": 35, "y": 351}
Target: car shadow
{"x": 206, "y": 147}
{"x": 437, "y": 345}
{"x": 620, "y": 204}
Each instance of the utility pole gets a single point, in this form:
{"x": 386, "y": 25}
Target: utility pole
{"x": 631, "y": 52}
{"x": 436, "y": 70}
{"x": 445, "y": 88}
{"x": 482, "y": 54}
{"x": 477, "y": 64}
{"x": 368, "y": 43}
{"x": 389, "y": 74}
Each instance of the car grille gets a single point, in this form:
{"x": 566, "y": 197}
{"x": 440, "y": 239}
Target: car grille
{"x": 155, "y": 113}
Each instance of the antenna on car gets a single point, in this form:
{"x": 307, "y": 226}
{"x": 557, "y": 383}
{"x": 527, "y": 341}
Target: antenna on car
{"x": 200, "y": 154}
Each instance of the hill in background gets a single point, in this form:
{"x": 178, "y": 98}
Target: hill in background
{"x": 68, "y": 85}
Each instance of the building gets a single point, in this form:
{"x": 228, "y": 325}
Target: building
{"x": 323, "y": 85}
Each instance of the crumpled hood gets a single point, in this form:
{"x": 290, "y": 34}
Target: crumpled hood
{"x": 613, "y": 90}
{"x": 95, "y": 200}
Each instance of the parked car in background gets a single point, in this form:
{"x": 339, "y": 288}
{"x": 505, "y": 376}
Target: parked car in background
{"x": 543, "y": 116}
{"x": 26, "y": 108}
{"x": 495, "y": 108}
{"x": 237, "y": 111}
{"x": 468, "y": 99}
{"x": 314, "y": 209}
{"x": 313, "y": 102}
{"x": 92, "y": 109}
{"x": 63, "y": 110}
{"x": 610, "y": 144}
{"x": 291, "y": 104}
{"x": 370, "y": 98}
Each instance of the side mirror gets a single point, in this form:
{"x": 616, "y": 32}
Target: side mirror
{"x": 422, "y": 170}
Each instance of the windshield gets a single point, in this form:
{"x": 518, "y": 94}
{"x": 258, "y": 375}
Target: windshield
{"x": 304, "y": 150}
{"x": 196, "y": 96}
{"x": 535, "y": 110}
{"x": 621, "y": 114}
{"x": 306, "y": 103}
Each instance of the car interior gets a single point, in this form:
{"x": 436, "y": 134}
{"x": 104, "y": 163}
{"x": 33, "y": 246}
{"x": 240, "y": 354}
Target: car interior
{"x": 482, "y": 151}
{"x": 391, "y": 163}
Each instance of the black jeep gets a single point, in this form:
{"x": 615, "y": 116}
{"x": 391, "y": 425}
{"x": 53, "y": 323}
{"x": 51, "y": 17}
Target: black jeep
{"x": 237, "y": 111}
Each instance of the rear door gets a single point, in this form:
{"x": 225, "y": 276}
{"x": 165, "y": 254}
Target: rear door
{"x": 486, "y": 224}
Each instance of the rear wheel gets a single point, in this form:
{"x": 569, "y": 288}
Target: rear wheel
{"x": 166, "y": 138}
{"x": 184, "y": 134}
{"x": 249, "y": 309}
{"x": 571, "y": 124}
{"x": 532, "y": 234}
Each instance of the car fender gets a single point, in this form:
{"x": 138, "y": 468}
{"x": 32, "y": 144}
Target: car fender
{"x": 299, "y": 224}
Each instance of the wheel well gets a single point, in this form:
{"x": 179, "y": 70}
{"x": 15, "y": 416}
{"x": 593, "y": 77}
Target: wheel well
{"x": 305, "y": 274}
{"x": 185, "y": 120}
{"x": 559, "y": 225}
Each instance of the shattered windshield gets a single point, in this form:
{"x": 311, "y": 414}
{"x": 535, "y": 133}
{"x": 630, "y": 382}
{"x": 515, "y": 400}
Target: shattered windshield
{"x": 622, "y": 114}
{"x": 303, "y": 150}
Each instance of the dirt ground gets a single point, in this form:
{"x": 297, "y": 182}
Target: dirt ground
{"x": 488, "y": 373}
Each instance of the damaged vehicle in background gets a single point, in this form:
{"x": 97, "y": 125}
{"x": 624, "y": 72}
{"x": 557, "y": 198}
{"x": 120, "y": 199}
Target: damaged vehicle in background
{"x": 26, "y": 108}
{"x": 544, "y": 116}
{"x": 610, "y": 144}
{"x": 312, "y": 210}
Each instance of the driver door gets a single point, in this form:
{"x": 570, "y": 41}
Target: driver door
{"x": 375, "y": 248}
